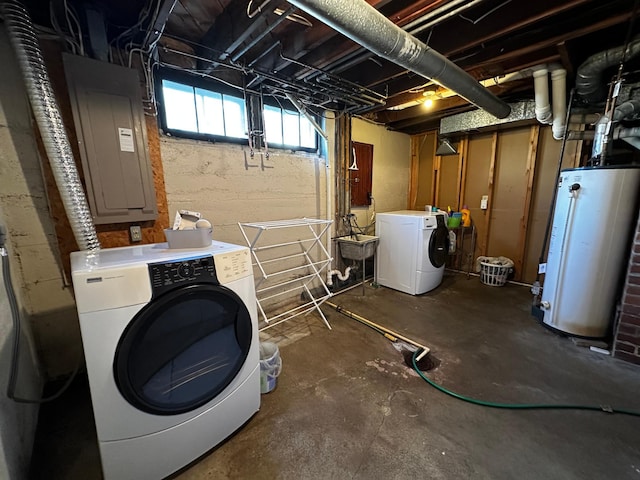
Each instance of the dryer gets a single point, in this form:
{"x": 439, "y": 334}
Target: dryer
{"x": 412, "y": 250}
{"x": 171, "y": 346}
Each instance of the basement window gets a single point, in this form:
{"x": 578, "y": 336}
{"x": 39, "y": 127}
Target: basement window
{"x": 287, "y": 128}
{"x": 188, "y": 109}
{"x": 202, "y": 113}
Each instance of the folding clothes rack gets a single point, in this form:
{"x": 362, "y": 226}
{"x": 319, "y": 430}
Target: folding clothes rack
{"x": 285, "y": 270}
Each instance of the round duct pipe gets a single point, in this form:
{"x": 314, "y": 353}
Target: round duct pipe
{"x": 363, "y": 24}
{"x": 45, "y": 109}
{"x": 589, "y": 82}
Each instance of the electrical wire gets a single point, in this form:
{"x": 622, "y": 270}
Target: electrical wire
{"x": 70, "y": 15}
{"x": 519, "y": 406}
{"x": 17, "y": 332}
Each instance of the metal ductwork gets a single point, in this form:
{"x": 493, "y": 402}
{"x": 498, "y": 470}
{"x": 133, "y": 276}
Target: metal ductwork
{"x": 363, "y": 24}
{"x": 589, "y": 83}
{"x": 45, "y": 109}
{"x": 629, "y": 110}
{"x": 445, "y": 148}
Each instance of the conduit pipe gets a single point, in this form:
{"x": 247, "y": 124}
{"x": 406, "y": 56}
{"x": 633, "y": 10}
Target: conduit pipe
{"x": 363, "y": 24}
{"x": 46, "y": 112}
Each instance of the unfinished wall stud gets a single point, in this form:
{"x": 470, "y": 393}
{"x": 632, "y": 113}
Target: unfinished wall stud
{"x": 491, "y": 182}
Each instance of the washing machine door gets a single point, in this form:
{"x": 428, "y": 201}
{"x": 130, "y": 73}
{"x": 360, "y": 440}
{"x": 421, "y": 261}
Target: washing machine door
{"x": 439, "y": 246}
{"x": 182, "y": 349}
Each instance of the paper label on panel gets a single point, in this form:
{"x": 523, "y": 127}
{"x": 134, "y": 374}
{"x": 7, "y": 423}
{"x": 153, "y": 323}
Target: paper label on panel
{"x": 126, "y": 139}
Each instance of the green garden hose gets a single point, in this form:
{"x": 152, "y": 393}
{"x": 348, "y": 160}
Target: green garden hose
{"x": 520, "y": 406}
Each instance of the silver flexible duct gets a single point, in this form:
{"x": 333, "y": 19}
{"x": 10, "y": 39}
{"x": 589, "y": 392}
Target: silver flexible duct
{"x": 45, "y": 109}
{"x": 363, "y": 24}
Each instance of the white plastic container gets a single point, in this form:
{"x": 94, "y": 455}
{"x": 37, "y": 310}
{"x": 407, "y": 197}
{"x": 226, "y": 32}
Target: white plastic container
{"x": 196, "y": 238}
{"x": 270, "y": 366}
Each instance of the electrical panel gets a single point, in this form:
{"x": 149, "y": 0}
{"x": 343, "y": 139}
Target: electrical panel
{"x": 112, "y": 139}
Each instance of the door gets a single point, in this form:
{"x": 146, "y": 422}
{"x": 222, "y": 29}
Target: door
{"x": 361, "y": 174}
{"x": 183, "y": 349}
{"x": 439, "y": 244}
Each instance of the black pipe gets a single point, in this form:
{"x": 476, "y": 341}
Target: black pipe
{"x": 555, "y": 190}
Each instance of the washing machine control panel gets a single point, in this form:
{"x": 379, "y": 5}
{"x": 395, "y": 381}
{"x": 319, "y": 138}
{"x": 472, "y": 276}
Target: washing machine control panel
{"x": 166, "y": 276}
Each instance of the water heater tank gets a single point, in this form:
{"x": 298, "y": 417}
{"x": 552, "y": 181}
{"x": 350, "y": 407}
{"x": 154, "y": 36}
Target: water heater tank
{"x": 595, "y": 211}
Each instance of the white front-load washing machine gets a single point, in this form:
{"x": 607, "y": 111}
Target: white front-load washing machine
{"x": 412, "y": 250}
{"x": 170, "y": 340}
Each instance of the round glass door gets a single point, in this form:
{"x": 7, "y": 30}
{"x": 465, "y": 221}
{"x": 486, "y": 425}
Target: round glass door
{"x": 439, "y": 246}
{"x": 182, "y": 349}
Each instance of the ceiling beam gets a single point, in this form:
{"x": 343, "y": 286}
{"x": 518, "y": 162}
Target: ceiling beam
{"x": 550, "y": 42}
{"x": 526, "y": 23}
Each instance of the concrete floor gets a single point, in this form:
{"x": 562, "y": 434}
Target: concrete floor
{"x": 346, "y": 406}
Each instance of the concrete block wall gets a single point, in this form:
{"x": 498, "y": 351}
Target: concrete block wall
{"x": 627, "y": 338}
{"x": 48, "y": 301}
{"x": 23, "y": 208}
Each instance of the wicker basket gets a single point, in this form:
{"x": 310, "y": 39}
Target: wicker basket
{"x": 494, "y": 275}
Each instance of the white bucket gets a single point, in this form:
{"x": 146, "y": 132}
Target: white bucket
{"x": 270, "y": 366}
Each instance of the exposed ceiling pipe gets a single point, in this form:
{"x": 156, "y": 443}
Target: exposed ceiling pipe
{"x": 559, "y": 101}
{"x": 627, "y": 110}
{"x": 541, "y": 93}
{"x": 300, "y": 107}
{"x": 433, "y": 13}
{"x": 589, "y": 83}
{"x": 555, "y": 113}
{"x": 262, "y": 34}
{"x": 47, "y": 114}
{"x": 445, "y": 93}
{"x": 363, "y": 24}
{"x": 450, "y": 14}
{"x": 441, "y": 14}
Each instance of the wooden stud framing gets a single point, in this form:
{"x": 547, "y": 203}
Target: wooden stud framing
{"x": 492, "y": 175}
{"x": 435, "y": 190}
{"x": 524, "y": 222}
{"x": 462, "y": 171}
{"x": 416, "y": 141}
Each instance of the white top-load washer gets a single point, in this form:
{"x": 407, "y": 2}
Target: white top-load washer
{"x": 171, "y": 346}
{"x": 412, "y": 250}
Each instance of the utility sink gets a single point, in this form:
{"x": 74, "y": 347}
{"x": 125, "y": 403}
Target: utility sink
{"x": 358, "y": 247}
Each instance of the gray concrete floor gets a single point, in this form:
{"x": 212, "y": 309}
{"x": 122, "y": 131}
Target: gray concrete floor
{"x": 347, "y": 407}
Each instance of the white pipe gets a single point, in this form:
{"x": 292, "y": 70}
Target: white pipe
{"x": 559, "y": 100}
{"x": 541, "y": 88}
{"x": 340, "y": 275}
{"x": 329, "y": 193}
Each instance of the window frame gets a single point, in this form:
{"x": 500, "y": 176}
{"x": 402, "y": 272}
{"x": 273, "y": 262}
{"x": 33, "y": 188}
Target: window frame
{"x": 211, "y": 85}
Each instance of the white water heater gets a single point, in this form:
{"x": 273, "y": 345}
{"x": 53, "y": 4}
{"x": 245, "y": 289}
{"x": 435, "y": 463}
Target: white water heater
{"x": 595, "y": 211}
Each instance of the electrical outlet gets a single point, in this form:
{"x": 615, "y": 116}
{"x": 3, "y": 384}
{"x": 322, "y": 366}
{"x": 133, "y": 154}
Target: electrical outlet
{"x": 484, "y": 202}
{"x": 136, "y": 233}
